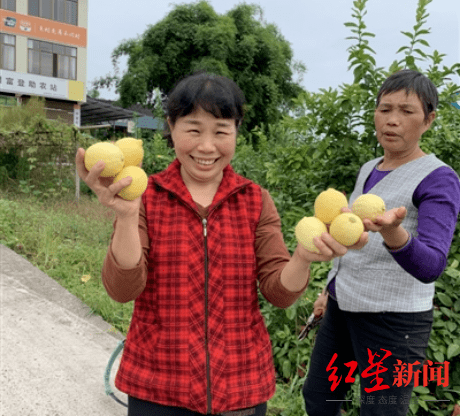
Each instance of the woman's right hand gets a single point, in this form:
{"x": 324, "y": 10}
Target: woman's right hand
{"x": 104, "y": 188}
{"x": 320, "y": 305}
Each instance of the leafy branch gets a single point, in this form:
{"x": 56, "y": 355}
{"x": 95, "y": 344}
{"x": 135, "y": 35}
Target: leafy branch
{"x": 360, "y": 54}
{"x": 416, "y": 38}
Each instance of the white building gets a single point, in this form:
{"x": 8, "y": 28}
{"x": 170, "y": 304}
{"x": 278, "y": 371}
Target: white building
{"x": 43, "y": 53}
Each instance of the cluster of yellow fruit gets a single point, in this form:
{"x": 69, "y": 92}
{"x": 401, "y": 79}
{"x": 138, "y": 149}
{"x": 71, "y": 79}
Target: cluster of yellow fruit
{"x": 344, "y": 227}
{"x": 121, "y": 160}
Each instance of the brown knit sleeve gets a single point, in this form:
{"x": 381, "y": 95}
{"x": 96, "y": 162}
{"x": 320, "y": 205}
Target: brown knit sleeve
{"x": 124, "y": 285}
{"x": 272, "y": 255}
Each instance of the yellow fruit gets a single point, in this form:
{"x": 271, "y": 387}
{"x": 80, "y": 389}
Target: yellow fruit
{"x": 346, "y": 228}
{"x": 368, "y": 206}
{"x": 328, "y": 204}
{"x": 110, "y": 154}
{"x": 137, "y": 186}
{"x": 308, "y": 228}
{"x": 132, "y": 149}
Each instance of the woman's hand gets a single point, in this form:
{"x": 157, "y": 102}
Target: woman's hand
{"x": 389, "y": 220}
{"x": 296, "y": 273}
{"x": 389, "y": 226}
{"x": 320, "y": 305}
{"x": 104, "y": 188}
{"x": 327, "y": 246}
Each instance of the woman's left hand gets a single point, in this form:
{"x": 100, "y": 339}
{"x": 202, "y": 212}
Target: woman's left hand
{"x": 388, "y": 221}
{"x": 390, "y": 228}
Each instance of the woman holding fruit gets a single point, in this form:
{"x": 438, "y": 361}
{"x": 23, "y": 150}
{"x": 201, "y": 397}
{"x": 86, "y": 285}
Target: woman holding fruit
{"x": 380, "y": 307}
{"x": 191, "y": 253}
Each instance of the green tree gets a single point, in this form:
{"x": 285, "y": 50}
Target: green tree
{"x": 330, "y": 136}
{"x": 238, "y": 44}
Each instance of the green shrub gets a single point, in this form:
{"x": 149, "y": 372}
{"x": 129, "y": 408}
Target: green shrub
{"x": 330, "y": 136}
{"x": 38, "y": 153}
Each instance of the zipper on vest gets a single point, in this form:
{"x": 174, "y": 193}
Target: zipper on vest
{"x": 208, "y": 369}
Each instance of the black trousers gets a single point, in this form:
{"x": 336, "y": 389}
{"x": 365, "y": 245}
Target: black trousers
{"x": 138, "y": 407}
{"x": 365, "y": 339}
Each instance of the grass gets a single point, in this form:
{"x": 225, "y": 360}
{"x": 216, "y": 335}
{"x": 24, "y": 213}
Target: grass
{"x": 68, "y": 241}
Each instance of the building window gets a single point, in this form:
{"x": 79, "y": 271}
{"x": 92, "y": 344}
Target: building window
{"x": 52, "y": 60}
{"x": 8, "y": 5}
{"x": 7, "y": 52}
{"x": 8, "y": 100}
{"x": 65, "y": 11}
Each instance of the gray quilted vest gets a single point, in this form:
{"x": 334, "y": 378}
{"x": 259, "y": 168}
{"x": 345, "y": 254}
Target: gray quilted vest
{"x": 370, "y": 280}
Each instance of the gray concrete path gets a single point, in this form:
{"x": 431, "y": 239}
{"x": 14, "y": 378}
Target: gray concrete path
{"x": 53, "y": 352}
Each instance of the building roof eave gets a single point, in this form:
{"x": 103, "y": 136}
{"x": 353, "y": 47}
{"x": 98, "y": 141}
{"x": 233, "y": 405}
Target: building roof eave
{"x": 96, "y": 111}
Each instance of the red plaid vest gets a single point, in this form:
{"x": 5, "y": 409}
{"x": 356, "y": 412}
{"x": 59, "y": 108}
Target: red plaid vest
{"x": 197, "y": 338}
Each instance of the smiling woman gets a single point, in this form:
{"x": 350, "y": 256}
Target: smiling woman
{"x": 193, "y": 253}
{"x": 215, "y": 95}
{"x": 203, "y": 117}
{"x": 204, "y": 145}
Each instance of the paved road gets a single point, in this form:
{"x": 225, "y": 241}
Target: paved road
{"x": 53, "y": 352}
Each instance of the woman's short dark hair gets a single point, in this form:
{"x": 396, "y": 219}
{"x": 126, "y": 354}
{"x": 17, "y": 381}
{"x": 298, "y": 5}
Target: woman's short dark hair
{"x": 412, "y": 82}
{"x": 215, "y": 94}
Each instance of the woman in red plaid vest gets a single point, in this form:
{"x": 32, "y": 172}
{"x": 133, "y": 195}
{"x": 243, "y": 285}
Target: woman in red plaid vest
{"x": 192, "y": 253}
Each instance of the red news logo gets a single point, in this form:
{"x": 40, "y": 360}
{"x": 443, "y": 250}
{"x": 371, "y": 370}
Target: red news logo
{"x": 404, "y": 372}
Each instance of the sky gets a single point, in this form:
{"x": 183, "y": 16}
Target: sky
{"x": 315, "y": 29}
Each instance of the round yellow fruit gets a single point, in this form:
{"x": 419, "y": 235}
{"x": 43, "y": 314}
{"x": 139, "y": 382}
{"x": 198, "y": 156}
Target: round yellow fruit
{"x": 138, "y": 185}
{"x": 307, "y": 229}
{"x": 328, "y": 205}
{"x": 110, "y": 154}
{"x": 132, "y": 149}
{"x": 346, "y": 228}
{"x": 368, "y": 206}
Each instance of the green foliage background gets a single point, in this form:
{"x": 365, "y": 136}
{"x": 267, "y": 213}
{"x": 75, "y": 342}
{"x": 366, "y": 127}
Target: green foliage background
{"x": 37, "y": 154}
{"x": 330, "y": 137}
{"x": 238, "y": 44}
{"x": 320, "y": 142}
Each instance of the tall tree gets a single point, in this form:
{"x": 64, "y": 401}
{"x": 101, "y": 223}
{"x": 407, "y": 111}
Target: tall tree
{"x": 238, "y": 44}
